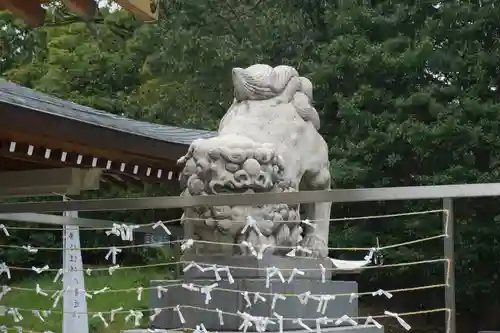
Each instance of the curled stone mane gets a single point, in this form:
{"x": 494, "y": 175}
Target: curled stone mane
{"x": 263, "y": 82}
{"x": 259, "y": 82}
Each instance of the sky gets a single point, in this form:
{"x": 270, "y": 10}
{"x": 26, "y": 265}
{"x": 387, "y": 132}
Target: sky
{"x": 103, "y": 3}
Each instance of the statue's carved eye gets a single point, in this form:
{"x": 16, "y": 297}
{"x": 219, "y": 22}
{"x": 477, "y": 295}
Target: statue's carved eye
{"x": 241, "y": 177}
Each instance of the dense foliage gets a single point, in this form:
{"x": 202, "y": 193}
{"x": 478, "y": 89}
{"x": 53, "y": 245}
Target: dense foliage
{"x": 406, "y": 90}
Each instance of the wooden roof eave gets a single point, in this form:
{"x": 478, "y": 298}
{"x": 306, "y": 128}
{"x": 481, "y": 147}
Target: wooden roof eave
{"x": 20, "y": 156}
{"x": 46, "y": 129}
{"x": 32, "y": 12}
{"x": 21, "y": 109}
{"x": 55, "y": 133}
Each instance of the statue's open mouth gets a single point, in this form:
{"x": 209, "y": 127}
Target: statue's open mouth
{"x": 242, "y": 168}
{"x": 214, "y": 167}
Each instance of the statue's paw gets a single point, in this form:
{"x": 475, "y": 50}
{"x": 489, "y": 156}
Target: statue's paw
{"x": 282, "y": 99}
{"x": 317, "y": 245}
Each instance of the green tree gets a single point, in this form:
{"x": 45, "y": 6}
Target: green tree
{"x": 407, "y": 93}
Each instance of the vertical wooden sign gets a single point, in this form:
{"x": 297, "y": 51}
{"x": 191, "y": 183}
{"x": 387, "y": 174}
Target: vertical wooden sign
{"x": 75, "y": 318}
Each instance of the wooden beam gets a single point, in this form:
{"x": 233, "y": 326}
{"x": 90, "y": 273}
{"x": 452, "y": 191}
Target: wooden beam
{"x": 146, "y": 10}
{"x": 48, "y": 182}
{"x": 84, "y": 8}
{"x": 3, "y": 7}
{"x": 112, "y": 179}
{"x": 110, "y": 142}
{"x": 134, "y": 181}
{"x": 57, "y": 158}
{"x": 30, "y": 11}
{"x": 66, "y": 145}
{"x": 13, "y": 164}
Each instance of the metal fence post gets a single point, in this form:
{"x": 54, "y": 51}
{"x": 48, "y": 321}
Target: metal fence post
{"x": 449, "y": 271}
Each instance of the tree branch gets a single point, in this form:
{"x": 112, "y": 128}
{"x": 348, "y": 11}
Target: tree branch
{"x": 231, "y": 9}
{"x": 96, "y": 21}
{"x": 75, "y": 19}
{"x": 228, "y": 22}
{"x": 257, "y": 3}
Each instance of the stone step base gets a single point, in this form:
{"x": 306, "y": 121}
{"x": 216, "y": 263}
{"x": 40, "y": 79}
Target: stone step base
{"x": 347, "y": 329}
{"x": 232, "y": 302}
{"x": 256, "y": 268}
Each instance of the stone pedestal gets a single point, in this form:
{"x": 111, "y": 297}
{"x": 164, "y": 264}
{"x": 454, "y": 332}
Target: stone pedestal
{"x": 249, "y": 275}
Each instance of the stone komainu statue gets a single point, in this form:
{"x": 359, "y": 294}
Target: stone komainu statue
{"x": 268, "y": 141}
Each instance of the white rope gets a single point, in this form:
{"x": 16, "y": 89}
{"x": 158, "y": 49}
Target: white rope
{"x": 120, "y": 268}
{"x": 216, "y": 311}
{"x": 209, "y": 291}
{"x": 32, "y": 249}
{"x": 172, "y": 285}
